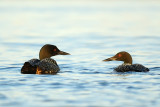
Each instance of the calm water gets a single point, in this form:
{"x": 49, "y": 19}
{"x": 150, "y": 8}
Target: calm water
{"x": 91, "y": 32}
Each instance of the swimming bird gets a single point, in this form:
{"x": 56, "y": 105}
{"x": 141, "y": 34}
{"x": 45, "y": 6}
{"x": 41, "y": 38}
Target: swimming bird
{"x": 45, "y": 64}
{"x": 127, "y": 65}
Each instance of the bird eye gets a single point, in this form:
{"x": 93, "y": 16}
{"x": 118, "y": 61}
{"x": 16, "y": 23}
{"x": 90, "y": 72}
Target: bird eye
{"x": 54, "y": 50}
{"x": 119, "y": 55}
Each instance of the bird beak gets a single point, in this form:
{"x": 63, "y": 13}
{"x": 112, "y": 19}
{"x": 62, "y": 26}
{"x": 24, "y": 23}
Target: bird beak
{"x": 63, "y": 53}
{"x": 110, "y": 59}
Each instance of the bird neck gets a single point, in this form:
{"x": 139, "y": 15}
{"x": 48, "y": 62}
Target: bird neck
{"x": 126, "y": 64}
{"x": 128, "y": 60}
{"x": 43, "y": 54}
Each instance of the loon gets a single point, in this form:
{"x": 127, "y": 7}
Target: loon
{"x": 43, "y": 65}
{"x": 127, "y": 65}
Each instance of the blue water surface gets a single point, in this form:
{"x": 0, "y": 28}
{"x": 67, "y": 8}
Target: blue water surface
{"x": 90, "y": 31}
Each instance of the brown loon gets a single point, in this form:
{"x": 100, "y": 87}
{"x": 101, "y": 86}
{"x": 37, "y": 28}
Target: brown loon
{"x": 127, "y": 65}
{"x": 45, "y": 65}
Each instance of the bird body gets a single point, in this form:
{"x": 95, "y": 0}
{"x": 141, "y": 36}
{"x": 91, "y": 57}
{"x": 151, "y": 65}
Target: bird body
{"x": 131, "y": 67}
{"x": 47, "y": 66}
